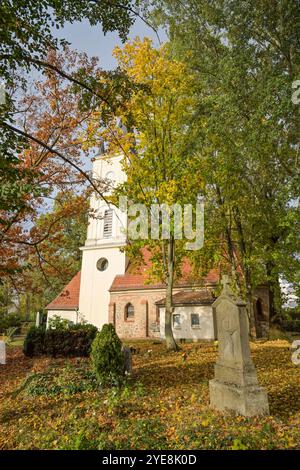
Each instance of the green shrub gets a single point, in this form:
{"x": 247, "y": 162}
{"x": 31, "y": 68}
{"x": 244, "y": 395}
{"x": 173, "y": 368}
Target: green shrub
{"x": 34, "y": 342}
{"x": 107, "y": 356}
{"x": 9, "y": 321}
{"x": 26, "y": 325}
{"x": 58, "y": 323}
{"x": 276, "y": 332}
{"x": 10, "y": 334}
{"x": 291, "y": 325}
{"x": 67, "y": 380}
{"x": 75, "y": 341}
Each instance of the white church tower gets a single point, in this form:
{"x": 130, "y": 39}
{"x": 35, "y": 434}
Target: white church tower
{"x": 102, "y": 259}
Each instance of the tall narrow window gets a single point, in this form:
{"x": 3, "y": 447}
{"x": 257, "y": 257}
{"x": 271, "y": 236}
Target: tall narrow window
{"x": 107, "y": 223}
{"x": 129, "y": 312}
{"x": 176, "y": 320}
{"x": 195, "y": 320}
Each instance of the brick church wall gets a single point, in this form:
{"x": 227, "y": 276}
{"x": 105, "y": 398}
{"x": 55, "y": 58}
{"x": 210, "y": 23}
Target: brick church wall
{"x": 145, "y": 323}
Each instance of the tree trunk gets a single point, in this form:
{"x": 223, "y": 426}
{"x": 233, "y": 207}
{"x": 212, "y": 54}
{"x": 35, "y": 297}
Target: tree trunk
{"x": 27, "y": 312}
{"x": 170, "y": 341}
{"x": 251, "y": 316}
{"x": 247, "y": 273}
{"x": 229, "y": 242}
{"x": 274, "y": 292}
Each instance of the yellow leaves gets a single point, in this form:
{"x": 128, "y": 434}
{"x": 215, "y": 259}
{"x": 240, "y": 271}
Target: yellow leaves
{"x": 193, "y": 398}
{"x": 238, "y": 445}
{"x": 148, "y": 65}
{"x": 156, "y": 118}
{"x": 205, "y": 423}
{"x": 290, "y": 443}
{"x": 168, "y": 192}
{"x": 165, "y": 77}
{"x": 171, "y": 431}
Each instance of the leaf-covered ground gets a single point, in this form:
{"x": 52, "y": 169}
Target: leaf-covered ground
{"x": 52, "y": 403}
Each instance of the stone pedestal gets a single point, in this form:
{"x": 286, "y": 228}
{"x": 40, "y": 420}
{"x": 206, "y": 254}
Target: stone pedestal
{"x": 235, "y": 386}
{"x": 2, "y": 352}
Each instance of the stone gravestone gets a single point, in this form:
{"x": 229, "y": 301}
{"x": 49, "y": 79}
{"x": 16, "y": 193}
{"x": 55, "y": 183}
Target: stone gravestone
{"x": 2, "y": 352}
{"x": 38, "y": 319}
{"x": 127, "y": 359}
{"x": 235, "y": 386}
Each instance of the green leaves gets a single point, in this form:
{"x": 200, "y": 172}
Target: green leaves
{"x": 107, "y": 356}
{"x": 246, "y": 58}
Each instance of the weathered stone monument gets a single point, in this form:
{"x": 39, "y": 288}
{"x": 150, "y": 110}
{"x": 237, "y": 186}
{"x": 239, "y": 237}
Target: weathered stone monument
{"x": 127, "y": 359}
{"x": 2, "y": 352}
{"x": 235, "y": 386}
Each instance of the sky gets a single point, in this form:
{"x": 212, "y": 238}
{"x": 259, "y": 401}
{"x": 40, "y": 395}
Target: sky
{"x": 91, "y": 39}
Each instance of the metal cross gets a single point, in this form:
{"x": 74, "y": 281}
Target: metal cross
{"x": 226, "y": 284}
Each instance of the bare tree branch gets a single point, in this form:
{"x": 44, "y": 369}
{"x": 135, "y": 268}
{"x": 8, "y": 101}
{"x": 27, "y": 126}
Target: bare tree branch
{"x": 58, "y": 154}
{"x": 47, "y": 65}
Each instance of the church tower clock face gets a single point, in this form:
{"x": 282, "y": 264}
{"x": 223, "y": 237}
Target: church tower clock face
{"x": 110, "y": 175}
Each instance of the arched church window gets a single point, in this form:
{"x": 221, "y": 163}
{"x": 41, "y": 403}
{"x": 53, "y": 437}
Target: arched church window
{"x": 102, "y": 264}
{"x": 110, "y": 180}
{"x": 107, "y": 223}
{"x": 129, "y": 312}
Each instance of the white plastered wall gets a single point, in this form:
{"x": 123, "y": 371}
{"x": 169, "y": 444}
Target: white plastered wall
{"x": 94, "y": 287}
{"x": 95, "y": 284}
{"x": 186, "y": 331}
{"x": 71, "y": 315}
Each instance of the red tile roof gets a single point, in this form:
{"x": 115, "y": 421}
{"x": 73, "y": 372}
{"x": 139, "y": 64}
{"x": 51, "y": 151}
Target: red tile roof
{"x": 195, "y": 297}
{"x": 137, "y": 277}
{"x": 68, "y": 299}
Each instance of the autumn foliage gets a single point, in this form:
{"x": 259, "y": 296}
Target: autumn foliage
{"x": 165, "y": 405}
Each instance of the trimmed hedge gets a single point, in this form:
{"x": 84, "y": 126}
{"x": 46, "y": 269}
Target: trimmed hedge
{"x": 34, "y": 341}
{"x": 74, "y": 341}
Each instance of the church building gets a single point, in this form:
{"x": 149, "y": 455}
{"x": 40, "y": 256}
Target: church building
{"x": 108, "y": 289}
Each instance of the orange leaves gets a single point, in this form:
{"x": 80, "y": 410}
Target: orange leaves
{"x": 51, "y": 113}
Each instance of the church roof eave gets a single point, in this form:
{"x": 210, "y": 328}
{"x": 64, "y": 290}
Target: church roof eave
{"x": 68, "y": 299}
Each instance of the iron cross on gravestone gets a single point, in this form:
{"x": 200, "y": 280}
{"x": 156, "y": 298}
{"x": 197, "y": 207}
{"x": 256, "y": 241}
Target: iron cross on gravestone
{"x": 226, "y": 284}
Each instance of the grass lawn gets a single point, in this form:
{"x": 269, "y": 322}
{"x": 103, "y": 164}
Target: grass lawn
{"x": 17, "y": 342}
{"x": 52, "y": 403}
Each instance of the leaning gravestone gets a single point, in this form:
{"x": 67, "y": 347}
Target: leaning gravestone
{"x": 2, "y": 353}
{"x": 235, "y": 386}
{"x": 127, "y": 359}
